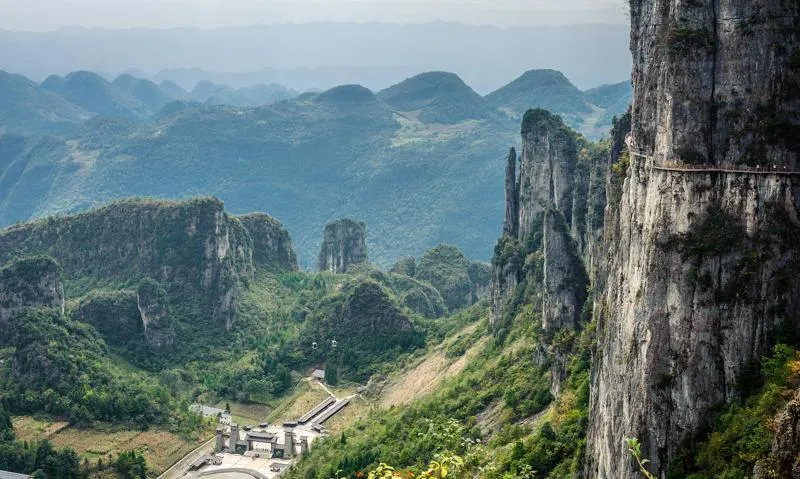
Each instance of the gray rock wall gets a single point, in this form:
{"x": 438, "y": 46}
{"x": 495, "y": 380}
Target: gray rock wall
{"x": 344, "y": 245}
{"x": 543, "y": 198}
{"x": 702, "y": 266}
{"x": 272, "y": 246}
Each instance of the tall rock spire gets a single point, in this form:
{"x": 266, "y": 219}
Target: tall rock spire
{"x": 511, "y": 222}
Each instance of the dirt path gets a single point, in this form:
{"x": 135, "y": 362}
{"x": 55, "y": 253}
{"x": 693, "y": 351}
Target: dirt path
{"x": 319, "y": 383}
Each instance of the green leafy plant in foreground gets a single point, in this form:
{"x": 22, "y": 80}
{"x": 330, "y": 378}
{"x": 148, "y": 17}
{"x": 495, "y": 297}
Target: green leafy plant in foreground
{"x": 444, "y": 466}
{"x": 635, "y": 448}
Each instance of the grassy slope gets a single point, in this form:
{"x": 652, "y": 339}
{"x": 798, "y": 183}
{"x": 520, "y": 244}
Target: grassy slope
{"x": 499, "y": 393}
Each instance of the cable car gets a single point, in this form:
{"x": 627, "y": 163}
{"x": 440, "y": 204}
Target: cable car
{"x": 333, "y": 343}
{"x": 314, "y": 345}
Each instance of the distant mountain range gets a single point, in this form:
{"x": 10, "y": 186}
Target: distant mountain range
{"x": 63, "y": 102}
{"x": 421, "y": 161}
{"x": 323, "y": 54}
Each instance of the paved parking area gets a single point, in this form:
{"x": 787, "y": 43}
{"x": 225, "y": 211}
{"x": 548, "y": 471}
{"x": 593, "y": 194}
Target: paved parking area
{"x": 260, "y": 465}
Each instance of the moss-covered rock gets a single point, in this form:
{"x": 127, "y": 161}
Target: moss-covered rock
{"x": 272, "y": 246}
{"x": 368, "y": 325}
{"x": 28, "y": 282}
{"x": 406, "y": 266}
{"x": 447, "y": 269}
{"x": 153, "y": 306}
{"x": 199, "y": 254}
{"x": 113, "y": 313}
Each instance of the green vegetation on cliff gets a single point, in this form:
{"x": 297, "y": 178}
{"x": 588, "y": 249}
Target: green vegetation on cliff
{"x": 229, "y": 315}
{"x": 61, "y": 367}
{"x": 447, "y": 269}
{"x": 740, "y": 434}
{"x": 498, "y": 413}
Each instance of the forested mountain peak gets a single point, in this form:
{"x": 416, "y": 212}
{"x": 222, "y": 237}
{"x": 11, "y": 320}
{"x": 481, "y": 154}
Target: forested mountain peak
{"x": 437, "y": 97}
{"x": 344, "y": 94}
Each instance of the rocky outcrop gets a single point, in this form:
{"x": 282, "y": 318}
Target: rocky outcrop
{"x": 344, "y": 245}
{"x": 418, "y": 296}
{"x": 541, "y": 267}
{"x": 193, "y": 249}
{"x": 784, "y": 458}
{"x": 716, "y": 82}
{"x": 366, "y": 323}
{"x": 703, "y": 265}
{"x": 28, "y": 282}
{"x": 129, "y": 315}
{"x": 272, "y": 246}
{"x": 480, "y": 278}
{"x": 549, "y": 158}
{"x": 564, "y": 278}
{"x": 114, "y": 314}
{"x": 511, "y": 220}
{"x": 153, "y": 306}
{"x": 544, "y": 249}
{"x": 698, "y": 286}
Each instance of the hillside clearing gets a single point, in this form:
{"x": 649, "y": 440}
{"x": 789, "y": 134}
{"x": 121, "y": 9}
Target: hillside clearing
{"x": 430, "y": 372}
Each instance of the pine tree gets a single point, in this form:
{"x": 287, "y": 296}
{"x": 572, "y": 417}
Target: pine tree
{"x": 331, "y": 375}
{"x": 6, "y": 427}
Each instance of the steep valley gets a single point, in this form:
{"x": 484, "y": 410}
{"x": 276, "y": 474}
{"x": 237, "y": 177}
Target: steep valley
{"x": 640, "y": 316}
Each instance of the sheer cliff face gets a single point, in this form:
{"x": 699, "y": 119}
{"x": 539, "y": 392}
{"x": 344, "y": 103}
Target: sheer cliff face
{"x": 191, "y": 248}
{"x": 272, "y": 246}
{"x": 716, "y": 81}
{"x": 703, "y": 266}
{"x": 344, "y": 245}
{"x": 549, "y": 155}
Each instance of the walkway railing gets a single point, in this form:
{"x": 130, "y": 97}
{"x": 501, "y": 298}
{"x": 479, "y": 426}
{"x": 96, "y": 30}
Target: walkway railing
{"x": 725, "y": 168}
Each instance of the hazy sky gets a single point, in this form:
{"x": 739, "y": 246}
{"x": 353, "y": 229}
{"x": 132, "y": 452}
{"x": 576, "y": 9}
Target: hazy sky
{"x": 41, "y": 15}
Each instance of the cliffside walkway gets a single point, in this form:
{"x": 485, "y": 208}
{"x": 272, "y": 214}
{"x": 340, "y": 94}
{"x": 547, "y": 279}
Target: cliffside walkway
{"x": 690, "y": 168}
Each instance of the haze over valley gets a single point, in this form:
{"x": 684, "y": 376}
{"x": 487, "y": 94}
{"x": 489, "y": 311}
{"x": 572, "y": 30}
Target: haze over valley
{"x": 400, "y": 239}
{"x": 307, "y": 158}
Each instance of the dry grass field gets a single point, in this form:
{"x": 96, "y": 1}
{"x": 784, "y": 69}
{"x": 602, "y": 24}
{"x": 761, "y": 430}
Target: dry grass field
{"x": 357, "y": 409}
{"x": 160, "y": 448}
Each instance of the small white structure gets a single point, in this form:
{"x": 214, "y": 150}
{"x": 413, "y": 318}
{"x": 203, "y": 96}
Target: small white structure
{"x": 210, "y": 411}
{"x": 318, "y": 374}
